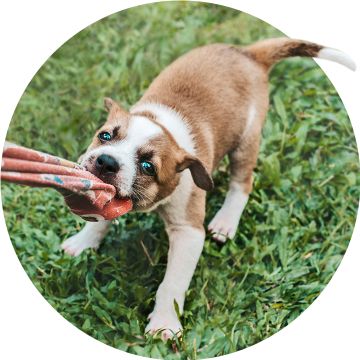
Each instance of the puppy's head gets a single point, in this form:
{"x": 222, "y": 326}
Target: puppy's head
{"x": 140, "y": 158}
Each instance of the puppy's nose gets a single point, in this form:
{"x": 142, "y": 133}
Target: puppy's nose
{"x": 105, "y": 164}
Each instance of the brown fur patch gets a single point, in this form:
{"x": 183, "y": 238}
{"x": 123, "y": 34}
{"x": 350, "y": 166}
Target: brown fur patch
{"x": 159, "y": 151}
{"x": 116, "y": 124}
{"x": 270, "y": 51}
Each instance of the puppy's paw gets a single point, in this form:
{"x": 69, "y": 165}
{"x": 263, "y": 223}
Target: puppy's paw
{"x": 76, "y": 244}
{"x": 223, "y": 226}
{"x": 164, "y": 323}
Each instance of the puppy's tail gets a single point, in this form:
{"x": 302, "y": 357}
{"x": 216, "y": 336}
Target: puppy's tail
{"x": 270, "y": 51}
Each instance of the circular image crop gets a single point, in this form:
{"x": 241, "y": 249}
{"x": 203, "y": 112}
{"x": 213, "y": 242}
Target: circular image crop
{"x": 294, "y": 230}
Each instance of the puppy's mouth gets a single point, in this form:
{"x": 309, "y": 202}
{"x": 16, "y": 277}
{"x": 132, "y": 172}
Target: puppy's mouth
{"x": 120, "y": 192}
{"x": 137, "y": 198}
{"x": 108, "y": 179}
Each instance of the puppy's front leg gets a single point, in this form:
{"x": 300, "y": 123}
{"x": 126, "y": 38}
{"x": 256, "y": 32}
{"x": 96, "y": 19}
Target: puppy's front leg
{"x": 89, "y": 237}
{"x": 185, "y": 246}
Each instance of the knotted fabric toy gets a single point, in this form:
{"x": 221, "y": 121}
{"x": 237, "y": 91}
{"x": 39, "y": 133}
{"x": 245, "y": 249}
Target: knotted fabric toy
{"x": 84, "y": 193}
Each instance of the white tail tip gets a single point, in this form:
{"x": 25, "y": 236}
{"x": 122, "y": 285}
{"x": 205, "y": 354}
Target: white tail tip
{"x": 337, "y": 56}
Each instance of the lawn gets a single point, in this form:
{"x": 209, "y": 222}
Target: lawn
{"x": 294, "y": 230}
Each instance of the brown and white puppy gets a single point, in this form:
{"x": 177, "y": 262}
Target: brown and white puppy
{"x": 209, "y": 103}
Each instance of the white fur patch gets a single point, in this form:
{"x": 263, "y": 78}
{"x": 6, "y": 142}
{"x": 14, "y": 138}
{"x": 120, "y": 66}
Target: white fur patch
{"x": 337, "y": 56}
{"x": 208, "y": 138}
{"x": 250, "y": 118}
{"x": 226, "y": 220}
{"x": 172, "y": 121}
{"x": 176, "y": 204}
{"x": 140, "y": 131}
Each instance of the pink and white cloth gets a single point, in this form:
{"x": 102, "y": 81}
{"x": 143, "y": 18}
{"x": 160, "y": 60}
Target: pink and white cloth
{"x": 84, "y": 193}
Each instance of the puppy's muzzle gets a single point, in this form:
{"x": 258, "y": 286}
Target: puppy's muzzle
{"x": 105, "y": 166}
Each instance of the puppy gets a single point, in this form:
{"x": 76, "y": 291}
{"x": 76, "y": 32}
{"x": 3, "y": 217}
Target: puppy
{"x": 209, "y": 103}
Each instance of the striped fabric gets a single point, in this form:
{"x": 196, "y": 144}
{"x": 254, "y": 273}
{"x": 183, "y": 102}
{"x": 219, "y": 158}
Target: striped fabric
{"x": 85, "y": 194}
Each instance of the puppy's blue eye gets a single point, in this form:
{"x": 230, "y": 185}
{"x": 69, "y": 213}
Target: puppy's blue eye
{"x": 147, "y": 168}
{"x": 104, "y": 136}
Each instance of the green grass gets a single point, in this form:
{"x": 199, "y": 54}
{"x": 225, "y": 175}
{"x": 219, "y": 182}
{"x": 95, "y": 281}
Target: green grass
{"x": 293, "y": 233}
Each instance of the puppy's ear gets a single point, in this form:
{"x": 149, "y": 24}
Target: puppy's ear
{"x": 112, "y": 105}
{"x": 108, "y": 103}
{"x": 200, "y": 175}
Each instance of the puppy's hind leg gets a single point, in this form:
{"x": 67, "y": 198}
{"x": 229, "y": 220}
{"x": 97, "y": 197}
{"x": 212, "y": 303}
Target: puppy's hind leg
{"x": 89, "y": 237}
{"x": 242, "y": 163}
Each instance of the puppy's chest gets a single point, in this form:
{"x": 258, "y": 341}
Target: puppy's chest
{"x": 177, "y": 208}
